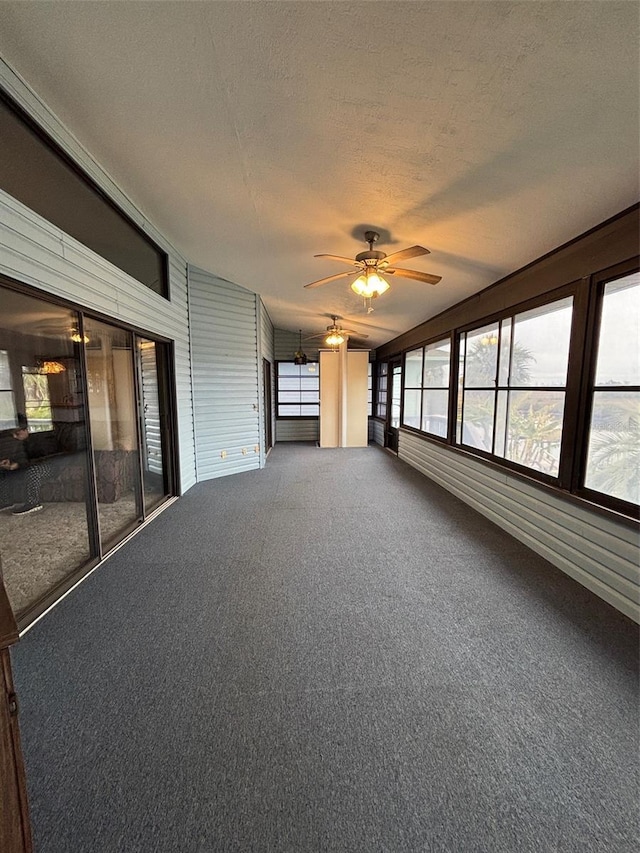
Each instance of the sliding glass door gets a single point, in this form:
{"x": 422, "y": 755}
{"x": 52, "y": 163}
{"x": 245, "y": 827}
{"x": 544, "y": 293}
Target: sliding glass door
{"x": 86, "y": 443}
{"x": 154, "y": 474}
{"x": 114, "y": 429}
{"x": 45, "y": 519}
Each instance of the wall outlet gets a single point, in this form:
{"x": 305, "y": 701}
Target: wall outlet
{"x": 223, "y": 454}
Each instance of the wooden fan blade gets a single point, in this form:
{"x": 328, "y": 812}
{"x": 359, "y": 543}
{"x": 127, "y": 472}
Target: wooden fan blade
{"x": 405, "y": 254}
{"x": 352, "y": 333}
{"x": 418, "y": 276}
{"x": 340, "y": 258}
{"x": 331, "y": 278}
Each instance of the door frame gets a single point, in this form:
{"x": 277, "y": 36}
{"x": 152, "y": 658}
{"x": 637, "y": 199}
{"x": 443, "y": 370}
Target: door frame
{"x": 267, "y": 390}
{"x": 390, "y": 432}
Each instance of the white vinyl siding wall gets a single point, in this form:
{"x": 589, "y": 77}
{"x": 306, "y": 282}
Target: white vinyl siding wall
{"x": 37, "y": 253}
{"x": 593, "y": 549}
{"x": 224, "y": 340}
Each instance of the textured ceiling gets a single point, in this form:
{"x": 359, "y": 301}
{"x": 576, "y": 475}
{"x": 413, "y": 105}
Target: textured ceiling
{"x": 257, "y": 134}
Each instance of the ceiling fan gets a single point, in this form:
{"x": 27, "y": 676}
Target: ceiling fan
{"x": 335, "y": 334}
{"x": 369, "y": 265}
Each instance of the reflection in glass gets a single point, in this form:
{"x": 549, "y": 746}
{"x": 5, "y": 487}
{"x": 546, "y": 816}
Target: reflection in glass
{"x": 534, "y": 429}
{"x": 477, "y": 427}
{"x": 43, "y": 474}
{"x": 381, "y": 401}
{"x": 153, "y": 467}
{"x": 413, "y": 369}
{"x": 395, "y": 396}
{"x": 434, "y": 412}
{"x": 411, "y": 415}
{"x": 436, "y": 365}
{"x": 613, "y": 460}
{"x": 481, "y": 360}
{"x": 540, "y": 351}
{"x": 112, "y": 413}
{"x": 620, "y": 365}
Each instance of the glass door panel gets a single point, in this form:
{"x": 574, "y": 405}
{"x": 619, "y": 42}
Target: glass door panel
{"x": 114, "y": 431}
{"x": 395, "y": 400}
{"x": 153, "y": 463}
{"x": 44, "y": 494}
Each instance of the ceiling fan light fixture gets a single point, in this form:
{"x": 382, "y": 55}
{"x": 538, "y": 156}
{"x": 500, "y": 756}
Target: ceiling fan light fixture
{"x": 370, "y": 285}
{"x": 334, "y": 339}
{"x": 76, "y": 337}
{"x": 51, "y": 367}
{"x": 299, "y": 357}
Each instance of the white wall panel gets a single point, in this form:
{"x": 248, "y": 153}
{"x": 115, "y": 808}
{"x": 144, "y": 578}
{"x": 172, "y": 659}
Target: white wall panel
{"x": 225, "y": 364}
{"x": 594, "y": 549}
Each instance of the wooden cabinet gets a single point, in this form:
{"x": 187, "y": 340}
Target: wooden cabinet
{"x": 343, "y": 398}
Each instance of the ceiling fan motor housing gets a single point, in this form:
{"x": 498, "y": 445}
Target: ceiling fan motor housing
{"x": 371, "y": 257}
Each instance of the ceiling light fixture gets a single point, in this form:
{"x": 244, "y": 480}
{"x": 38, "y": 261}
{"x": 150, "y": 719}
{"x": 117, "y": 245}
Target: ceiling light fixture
{"x": 77, "y": 338}
{"x": 491, "y": 339}
{"x": 299, "y": 356}
{"x": 334, "y": 339}
{"x": 369, "y": 286}
{"x": 51, "y": 367}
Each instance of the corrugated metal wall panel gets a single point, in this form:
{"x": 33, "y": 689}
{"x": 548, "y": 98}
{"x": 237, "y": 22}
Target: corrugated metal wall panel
{"x": 595, "y": 550}
{"x": 226, "y": 369}
{"x": 298, "y": 429}
{"x": 35, "y": 252}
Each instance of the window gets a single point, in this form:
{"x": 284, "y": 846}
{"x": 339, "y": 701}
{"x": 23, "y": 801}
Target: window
{"x": 37, "y": 399}
{"x": 7, "y": 403}
{"x": 369, "y": 389}
{"x": 381, "y": 396}
{"x": 512, "y": 383}
{"x": 90, "y": 496}
{"x": 34, "y": 170}
{"x": 426, "y": 388}
{"x": 613, "y": 443}
{"x": 298, "y": 390}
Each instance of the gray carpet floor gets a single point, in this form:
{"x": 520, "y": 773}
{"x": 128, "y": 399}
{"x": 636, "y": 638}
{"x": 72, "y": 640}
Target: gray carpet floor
{"x": 331, "y": 654}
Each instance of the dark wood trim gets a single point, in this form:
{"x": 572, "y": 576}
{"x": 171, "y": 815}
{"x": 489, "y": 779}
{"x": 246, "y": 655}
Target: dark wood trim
{"x": 90, "y": 478}
{"x": 599, "y": 248}
{"x": 32, "y": 125}
{"x": 15, "y": 827}
{"x": 575, "y": 369}
{"x": 602, "y": 254}
{"x": 35, "y": 293}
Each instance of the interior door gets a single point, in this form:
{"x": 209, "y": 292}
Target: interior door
{"x": 268, "y": 405}
{"x": 393, "y": 406}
